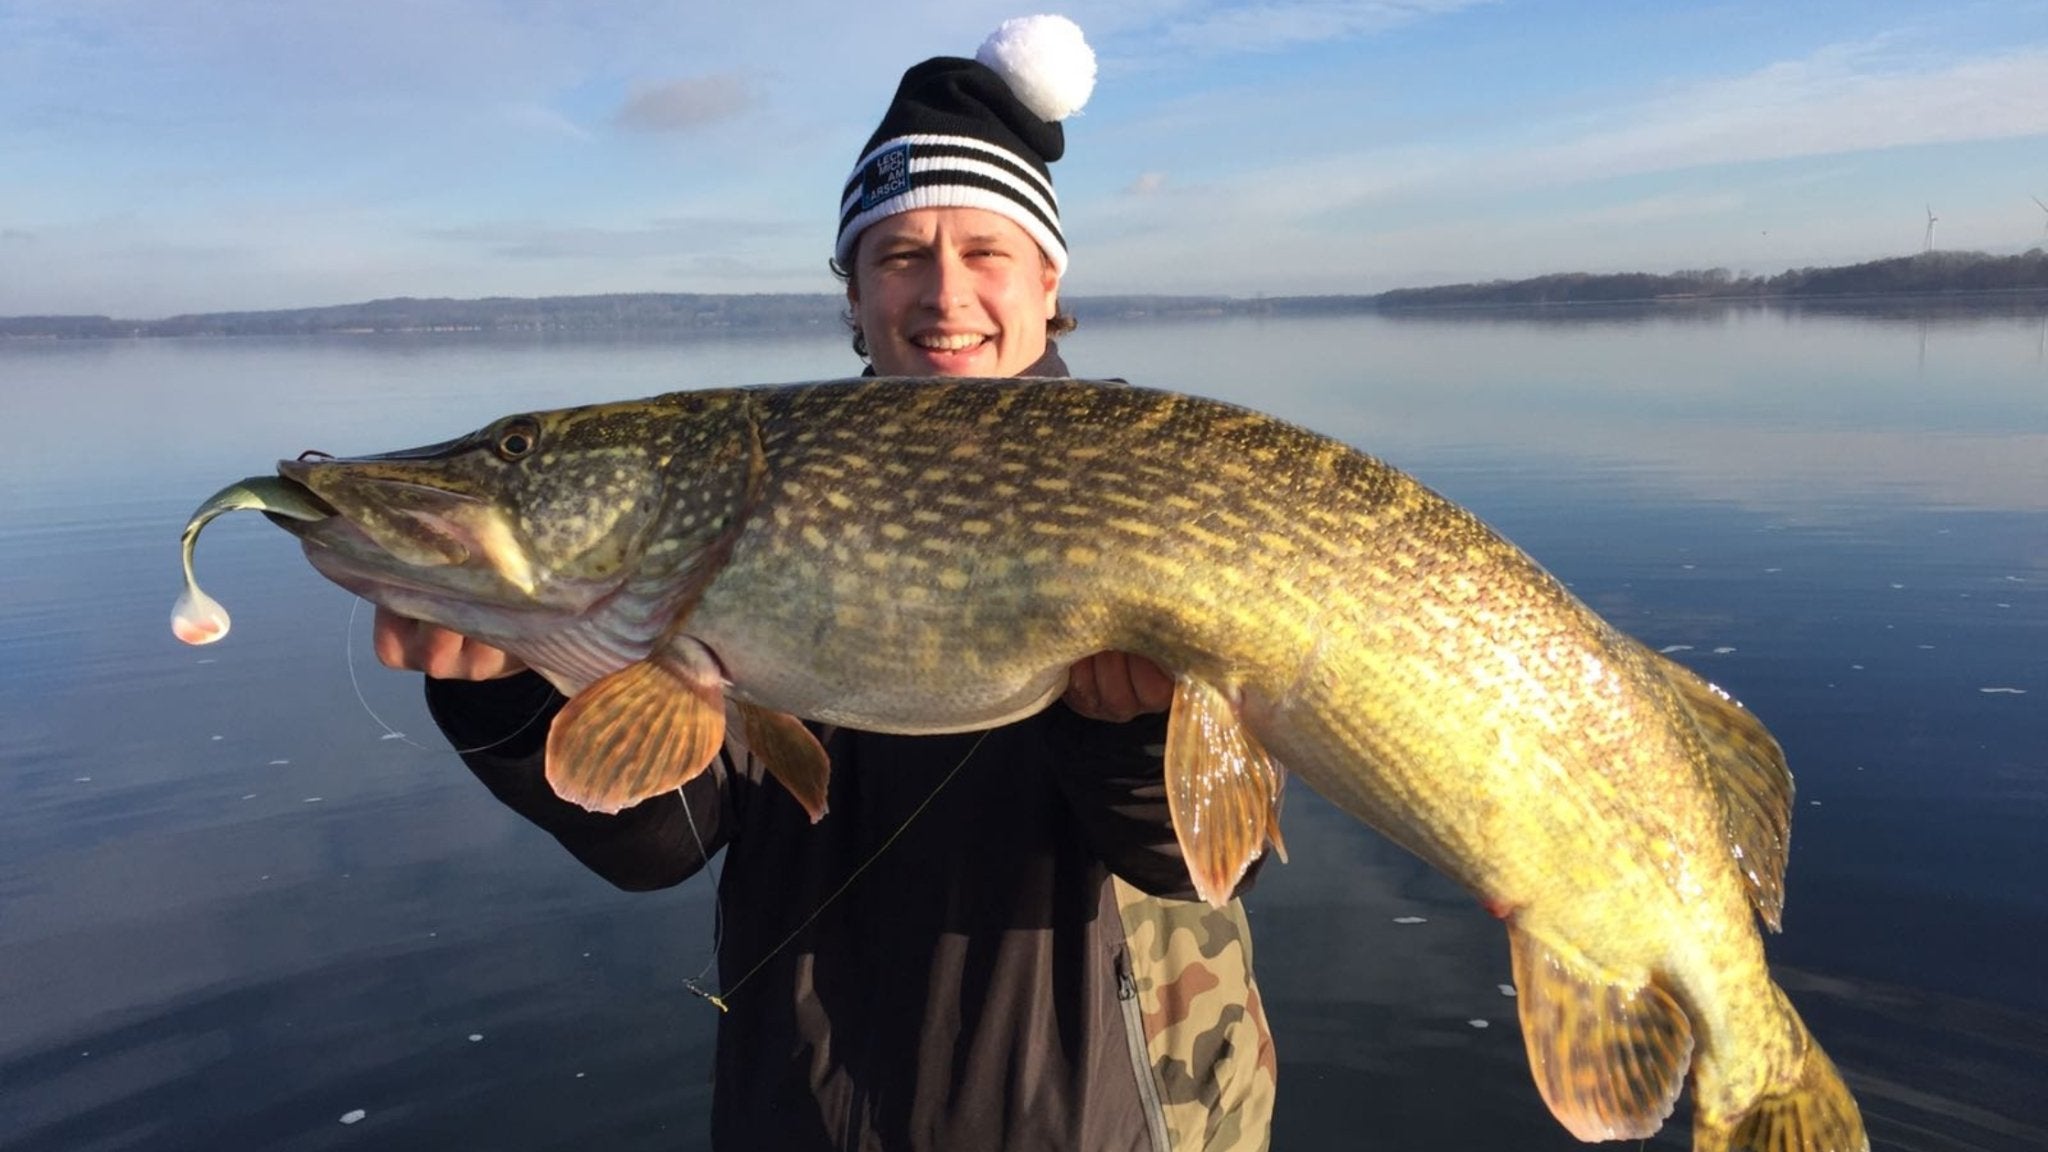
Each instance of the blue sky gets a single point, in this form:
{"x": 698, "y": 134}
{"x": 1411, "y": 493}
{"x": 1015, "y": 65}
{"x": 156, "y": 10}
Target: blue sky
{"x": 165, "y": 156}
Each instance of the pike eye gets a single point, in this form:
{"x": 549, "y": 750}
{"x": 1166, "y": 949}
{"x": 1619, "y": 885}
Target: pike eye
{"x": 517, "y": 440}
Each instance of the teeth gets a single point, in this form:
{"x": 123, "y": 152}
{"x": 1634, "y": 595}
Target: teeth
{"x": 956, "y": 343}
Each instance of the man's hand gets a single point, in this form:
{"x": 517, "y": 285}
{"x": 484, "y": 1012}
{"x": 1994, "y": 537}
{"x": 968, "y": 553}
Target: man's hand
{"x": 421, "y": 647}
{"x": 1117, "y": 686}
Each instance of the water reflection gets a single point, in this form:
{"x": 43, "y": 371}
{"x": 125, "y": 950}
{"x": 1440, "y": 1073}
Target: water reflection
{"x": 234, "y": 912}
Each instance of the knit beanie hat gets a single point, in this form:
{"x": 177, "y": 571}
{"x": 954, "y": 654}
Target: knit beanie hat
{"x": 977, "y": 134}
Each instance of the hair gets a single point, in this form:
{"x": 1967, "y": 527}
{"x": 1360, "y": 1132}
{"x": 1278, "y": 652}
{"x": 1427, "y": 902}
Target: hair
{"x": 1058, "y": 324}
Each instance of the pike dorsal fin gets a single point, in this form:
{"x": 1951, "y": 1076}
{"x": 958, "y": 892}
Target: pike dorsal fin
{"x": 643, "y": 730}
{"x": 790, "y": 753}
{"x": 1747, "y": 770}
{"x": 1222, "y": 788}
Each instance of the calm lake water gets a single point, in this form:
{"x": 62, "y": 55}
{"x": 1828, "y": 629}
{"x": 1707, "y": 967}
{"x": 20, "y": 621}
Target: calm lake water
{"x": 235, "y": 914}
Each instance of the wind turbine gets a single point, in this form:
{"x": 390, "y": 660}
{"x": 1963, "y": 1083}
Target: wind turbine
{"x": 1928, "y": 245}
{"x": 2044, "y": 210}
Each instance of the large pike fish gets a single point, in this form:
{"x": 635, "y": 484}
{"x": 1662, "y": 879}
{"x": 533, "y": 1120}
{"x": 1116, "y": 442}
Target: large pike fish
{"x": 926, "y": 556}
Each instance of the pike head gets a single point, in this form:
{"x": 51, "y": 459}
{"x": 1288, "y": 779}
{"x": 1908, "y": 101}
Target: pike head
{"x": 612, "y": 514}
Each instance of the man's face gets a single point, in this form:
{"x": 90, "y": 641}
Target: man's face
{"x": 951, "y": 292}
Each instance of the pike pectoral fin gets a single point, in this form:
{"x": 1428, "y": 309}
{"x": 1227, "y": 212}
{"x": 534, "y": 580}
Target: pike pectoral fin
{"x": 1222, "y": 788}
{"x": 1747, "y": 771}
{"x": 646, "y": 729}
{"x": 790, "y": 753}
{"x": 1609, "y": 1057}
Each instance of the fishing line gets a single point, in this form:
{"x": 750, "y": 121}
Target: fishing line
{"x": 719, "y": 1001}
{"x": 390, "y": 733}
{"x": 696, "y": 983}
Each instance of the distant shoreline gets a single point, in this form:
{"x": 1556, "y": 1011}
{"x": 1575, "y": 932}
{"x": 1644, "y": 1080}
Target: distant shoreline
{"x": 1932, "y": 276}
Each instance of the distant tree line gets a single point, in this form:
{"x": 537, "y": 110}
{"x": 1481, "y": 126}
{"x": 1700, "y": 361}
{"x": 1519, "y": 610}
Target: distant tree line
{"x": 648, "y": 311}
{"x": 1931, "y": 273}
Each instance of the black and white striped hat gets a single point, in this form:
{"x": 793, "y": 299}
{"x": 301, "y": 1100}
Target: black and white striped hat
{"x": 977, "y": 134}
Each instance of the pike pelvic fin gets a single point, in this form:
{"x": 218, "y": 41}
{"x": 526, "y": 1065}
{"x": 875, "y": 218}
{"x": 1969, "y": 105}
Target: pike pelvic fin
{"x": 1748, "y": 773}
{"x": 790, "y": 753}
{"x": 1222, "y": 789}
{"x": 645, "y": 729}
{"x": 1811, "y": 1112}
{"x": 1609, "y": 1056}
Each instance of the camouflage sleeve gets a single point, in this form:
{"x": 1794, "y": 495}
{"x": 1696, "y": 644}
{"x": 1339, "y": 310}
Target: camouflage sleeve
{"x": 1208, "y": 1049}
{"x": 500, "y": 728}
{"x": 1114, "y": 781}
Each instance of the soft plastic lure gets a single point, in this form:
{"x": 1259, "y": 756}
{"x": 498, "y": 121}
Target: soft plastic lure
{"x": 198, "y": 618}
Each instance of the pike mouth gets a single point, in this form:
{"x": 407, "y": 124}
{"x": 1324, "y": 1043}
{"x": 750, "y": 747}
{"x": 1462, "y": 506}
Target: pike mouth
{"x": 377, "y": 518}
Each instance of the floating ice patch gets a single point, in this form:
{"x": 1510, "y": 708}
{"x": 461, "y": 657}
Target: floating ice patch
{"x": 1724, "y": 649}
{"x": 1670, "y": 648}
{"x": 1411, "y": 920}
{"x": 2002, "y": 691}
{"x": 392, "y": 736}
{"x": 353, "y": 1115}
{"x": 312, "y": 800}
{"x": 476, "y": 1037}
{"x": 1506, "y": 989}
{"x": 249, "y": 796}
{"x": 81, "y": 779}
{"x": 1477, "y": 1023}
{"x": 1898, "y": 586}
{"x": 275, "y": 763}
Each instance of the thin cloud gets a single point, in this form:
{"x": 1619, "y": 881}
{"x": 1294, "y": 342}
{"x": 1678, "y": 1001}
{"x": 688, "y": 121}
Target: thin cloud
{"x": 1840, "y": 100}
{"x": 1273, "y": 26}
{"x": 1147, "y": 184}
{"x": 666, "y": 238}
{"x": 686, "y": 105}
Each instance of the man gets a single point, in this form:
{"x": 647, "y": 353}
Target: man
{"x": 995, "y": 976}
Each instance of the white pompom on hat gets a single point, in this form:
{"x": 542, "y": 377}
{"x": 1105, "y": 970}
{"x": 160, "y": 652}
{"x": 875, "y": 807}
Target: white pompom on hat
{"x": 977, "y": 134}
{"x": 1045, "y": 61}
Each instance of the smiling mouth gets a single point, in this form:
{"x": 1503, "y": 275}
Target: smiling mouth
{"x": 954, "y": 342}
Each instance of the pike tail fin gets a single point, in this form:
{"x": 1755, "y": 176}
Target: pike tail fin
{"x": 1809, "y": 1111}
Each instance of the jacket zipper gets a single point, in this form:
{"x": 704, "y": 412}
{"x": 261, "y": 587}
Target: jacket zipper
{"x": 1141, "y": 1057}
